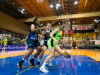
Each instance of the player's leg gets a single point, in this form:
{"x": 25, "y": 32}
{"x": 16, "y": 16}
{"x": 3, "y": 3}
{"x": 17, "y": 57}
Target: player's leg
{"x": 76, "y": 48}
{"x": 4, "y": 48}
{"x": 59, "y": 52}
{"x": 42, "y": 68}
{"x": 72, "y": 48}
{"x": 38, "y": 48}
{"x": 51, "y": 50}
{"x": 26, "y": 47}
{"x": 30, "y": 51}
{"x": 44, "y": 48}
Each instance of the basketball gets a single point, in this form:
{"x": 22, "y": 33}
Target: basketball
{"x": 67, "y": 54}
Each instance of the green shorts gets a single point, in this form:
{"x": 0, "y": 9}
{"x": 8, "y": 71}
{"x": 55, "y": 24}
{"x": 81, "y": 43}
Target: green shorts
{"x": 4, "y": 45}
{"x": 51, "y": 43}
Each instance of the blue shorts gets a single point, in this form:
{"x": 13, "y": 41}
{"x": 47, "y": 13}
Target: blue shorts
{"x": 74, "y": 46}
{"x": 33, "y": 43}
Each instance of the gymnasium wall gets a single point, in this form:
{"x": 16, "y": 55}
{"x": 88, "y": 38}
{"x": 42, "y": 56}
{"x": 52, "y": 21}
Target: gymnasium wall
{"x": 98, "y": 26}
{"x": 89, "y": 35}
{"x": 10, "y": 23}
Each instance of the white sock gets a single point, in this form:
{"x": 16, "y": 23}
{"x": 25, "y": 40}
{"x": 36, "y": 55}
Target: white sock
{"x": 50, "y": 60}
{"x": 33, "y": 58}
{"x": 44, "y": 64}
{"x": 39, "y": 59}
{"x": 23, "y": 59}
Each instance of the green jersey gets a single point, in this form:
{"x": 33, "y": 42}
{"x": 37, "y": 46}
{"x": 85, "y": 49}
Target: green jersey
{"x": 57, "y": 36}
{"x": 5, "y": 42}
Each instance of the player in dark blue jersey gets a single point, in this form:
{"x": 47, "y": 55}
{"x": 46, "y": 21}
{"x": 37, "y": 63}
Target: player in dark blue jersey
{"x": 74, "y": 44}
{"x": 32, "y": 41}
{"x": 46, "y": 38}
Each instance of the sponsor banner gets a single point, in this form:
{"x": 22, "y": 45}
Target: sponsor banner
{"x": 83, "y": 27}
{"x": 14, "y": 47}
{"x": 6, "y": 35}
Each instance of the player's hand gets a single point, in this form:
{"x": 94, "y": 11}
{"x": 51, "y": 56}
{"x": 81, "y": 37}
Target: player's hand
{"x": 21, "y": 40}
{"x": 40, "y": 36}
{"x": 43, "y": 28}
{"x": 56, "y": 42}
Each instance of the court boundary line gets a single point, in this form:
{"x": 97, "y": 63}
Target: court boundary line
{"x": 28, "y": 68}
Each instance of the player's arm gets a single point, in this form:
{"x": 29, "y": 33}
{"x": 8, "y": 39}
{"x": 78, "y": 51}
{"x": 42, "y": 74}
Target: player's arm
{"x": 33, "y": 28}
{"x": 71, "y": 43}
{"x": 41, "y": 32}
{"x": 2, "y": 42}
{"x": 46, "y": 32}
{"x": 76, "y": 42}
{"x": 54, "y": 32}
{"x": 24, "y": 39}
{"x": 40, "y": 35}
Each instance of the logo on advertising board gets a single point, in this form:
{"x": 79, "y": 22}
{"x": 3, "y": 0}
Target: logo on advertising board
{"x": 83, "y": 27}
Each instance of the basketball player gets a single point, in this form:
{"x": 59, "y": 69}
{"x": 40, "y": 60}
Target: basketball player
{"x": 53, "y": 45}
{"x": 73, "y": 44}
{"x": 4, "y": 44}
{"x": 32, "y": 41}
{"x": 44, "y": 48}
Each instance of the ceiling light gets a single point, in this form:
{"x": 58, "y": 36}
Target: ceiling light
{"x": 98, "y": 21}
{"x": 22, "y": 12}
{"x": 58, "y": 5}
{"x": 69, "y": 22}
{"x": 23, "y": 9}
{"x": 51, "y": 6}
{"x": 95, "y": 20}
{"x": 18, "y": 10}
{"x": 76, "y": 2}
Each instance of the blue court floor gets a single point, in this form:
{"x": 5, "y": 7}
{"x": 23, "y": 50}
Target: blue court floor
{"x": 76, "y": 65}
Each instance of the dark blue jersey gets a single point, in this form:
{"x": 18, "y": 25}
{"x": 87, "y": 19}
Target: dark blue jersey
{"x": 33, "y": 35}
{"x": 74, "y": 43}
{"x": 47, "y": 36}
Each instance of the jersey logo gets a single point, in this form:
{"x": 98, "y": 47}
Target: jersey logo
{"x": 35, "y": 35}
{"x": 47, "y": 36}
{"x": 37, "y": 32}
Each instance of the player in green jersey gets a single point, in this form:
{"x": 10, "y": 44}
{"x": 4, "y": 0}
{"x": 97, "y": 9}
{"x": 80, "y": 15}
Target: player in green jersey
{"x": 4, "y": 44}
{"x": 53, "y": 44}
